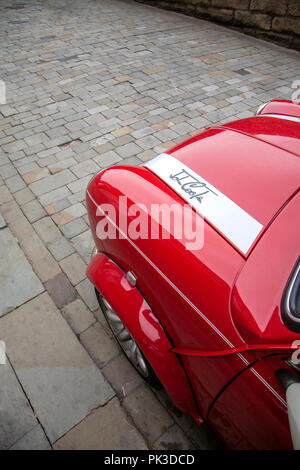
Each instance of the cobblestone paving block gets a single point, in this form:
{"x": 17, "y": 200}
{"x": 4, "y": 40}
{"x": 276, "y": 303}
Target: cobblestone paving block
{"x": 79, "y": 184}
{"x": 7, "y": 171}
{"x": 152, "y": 420}
{"x": 106, "y": 428}
{"x": 74, "y": 268}
{"x": 78, "y": 316}
{"x": 100, "y": 346}
{"x": 15, "y": 183}
{"x": 61, "y": 218}
{"x": 58, "y": 166}
{"x": 85, "y": 168}
{"x": 128, "y": 150}
{"x": 73, "y": 228}
{"x": 87, "y": 292}
{"x": 33, "y": 210}
{"x": 84, "y": 244}
{"x": 60, "y": 290}
{"x": 23, "y": 196}
{"x": 122, "y": 376}
{"x": 60, "y": 248}
{"x": 5, "y": 195}
{"x": 54, "y": 196}
{"x": 76, "y": 210}
{"x": 57, "y": 206}
{"x": 47, "y": 230}
{"x": 108, "y": 159}
{"x": 52, "y": 182}
{"x": 36, "y": 175}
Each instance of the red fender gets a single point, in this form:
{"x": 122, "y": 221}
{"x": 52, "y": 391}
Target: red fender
{"x": 130, "y": 305}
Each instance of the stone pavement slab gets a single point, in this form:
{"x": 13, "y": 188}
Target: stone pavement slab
{"x": 106, "y": 428}
{"x": 33, "y": 440}
{"x": 152, "y": 420}
{"x": 58, "y": 376}
{"x": 16, "y": 415}
{"x": 18, "y": 282}
{"x": 173, "y": 439}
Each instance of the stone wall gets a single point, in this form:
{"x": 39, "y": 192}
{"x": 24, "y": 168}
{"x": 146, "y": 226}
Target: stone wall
{"x": 277, "y": 20}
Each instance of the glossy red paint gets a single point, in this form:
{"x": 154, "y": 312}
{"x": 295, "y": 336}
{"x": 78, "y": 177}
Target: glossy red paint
{"x": 216, "y": 298}
{"x": 258, "y": 421}
{"x": 111, "y": 281}
{"x": 256, "y": 304}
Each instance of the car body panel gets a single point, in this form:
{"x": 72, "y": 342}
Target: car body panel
{"x": 259, "y": 421}
{"x": 272, "y": 129}
{"x": 111, "y": 281}
{"x": 174, "y": 287}
{"x": 256, "y": 305}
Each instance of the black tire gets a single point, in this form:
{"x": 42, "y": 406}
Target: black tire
{"x": 151, "y": 377}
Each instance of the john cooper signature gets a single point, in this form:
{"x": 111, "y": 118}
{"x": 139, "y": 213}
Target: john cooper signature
{"x": 190, "y": 185}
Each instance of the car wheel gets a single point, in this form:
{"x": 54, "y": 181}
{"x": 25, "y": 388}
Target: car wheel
{"x": 127, "y": 343}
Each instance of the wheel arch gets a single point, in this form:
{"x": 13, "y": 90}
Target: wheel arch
{"x": 109, "y": 278}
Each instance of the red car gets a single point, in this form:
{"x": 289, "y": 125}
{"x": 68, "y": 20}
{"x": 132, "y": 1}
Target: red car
{"x": 215, "y": 320}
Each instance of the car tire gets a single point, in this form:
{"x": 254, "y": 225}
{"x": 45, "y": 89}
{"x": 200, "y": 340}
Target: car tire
{"x": 127, "y": 343}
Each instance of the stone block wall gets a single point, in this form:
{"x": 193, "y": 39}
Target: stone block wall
{"x": 276, "y": 20}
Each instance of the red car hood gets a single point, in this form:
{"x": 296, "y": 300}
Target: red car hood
{"x": 238, "y": 160}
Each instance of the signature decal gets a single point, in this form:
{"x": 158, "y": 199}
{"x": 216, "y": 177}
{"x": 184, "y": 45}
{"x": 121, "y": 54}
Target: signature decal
{"x": 239, "y": 227}
{"x": 189, "y": 183}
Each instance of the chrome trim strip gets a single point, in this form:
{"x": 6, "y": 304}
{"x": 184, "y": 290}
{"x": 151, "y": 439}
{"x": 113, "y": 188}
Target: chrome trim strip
{"x": 281, "y": 116}
{"x": 261, "y": 107}
{"x": 226, "y": 340}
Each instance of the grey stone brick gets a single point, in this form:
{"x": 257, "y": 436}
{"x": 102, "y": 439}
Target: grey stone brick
{"x": 78, "y": 316}
{"x": 85, "y": 168}
{"x": 60, "y": 248}
{"x": 33, "y": 210}
{"x": 47, "y": 230}
{"x": 73, "y": 228}
{"x": 128, "y": 150}
{"x": 52, "y": 182}
{"x": 15, "y": 183}
{"x": 107, "y": 159}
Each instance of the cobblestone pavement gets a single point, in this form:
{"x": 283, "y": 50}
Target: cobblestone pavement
{"x": 91, "y": 84}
